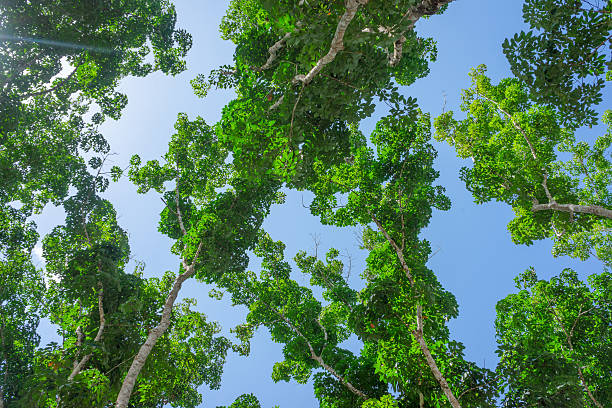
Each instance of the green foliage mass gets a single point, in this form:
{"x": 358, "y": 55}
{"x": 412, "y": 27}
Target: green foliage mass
{"x": 555, "y": 341}
{"x": 86, "y": 258}
{"x": 564, "y": 57}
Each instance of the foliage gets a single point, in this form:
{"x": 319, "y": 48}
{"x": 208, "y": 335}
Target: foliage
{"x": 563, "y": 58}
{"x": 515, "y": 147}
{"x": 393, "y": 187}
{"x": 555, "y": 341}
{"x": 21, "y": 294}
{"x": 43, "y": 111}
{"x": 88, "y": 292}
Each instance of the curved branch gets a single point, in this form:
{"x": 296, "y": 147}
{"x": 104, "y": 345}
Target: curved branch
{"x": 552, "y": 204}
{"x": 273, "y": 50}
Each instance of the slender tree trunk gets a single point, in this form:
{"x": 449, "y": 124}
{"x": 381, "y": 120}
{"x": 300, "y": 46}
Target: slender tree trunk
{"x": 139, "y": 361}
{"x": 436, "y": 371}
{"x": 418, "y": 336}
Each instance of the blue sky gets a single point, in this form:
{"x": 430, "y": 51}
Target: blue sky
{"x": 476, "y": 259}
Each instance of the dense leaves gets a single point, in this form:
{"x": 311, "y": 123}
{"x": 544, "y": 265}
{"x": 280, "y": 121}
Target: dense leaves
{"x": 565, "y": 55}
{"x": 555, "y": 341}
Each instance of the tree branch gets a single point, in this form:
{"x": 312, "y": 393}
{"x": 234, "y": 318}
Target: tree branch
{"x": 418, "y": 336}
{"x": 79, "y": 366}
{"x": 398, "y": 251}
{"x": 273, "y": 50}
{"x": 568, "y": 338}
{"x": 337, "y": 43}
{"x": 552, "y": 204}
{"x": 574, "y": 208}
{"x": 55, "y": 87}
{"x": 314, "y": 355}
{"x": 418, "y": 333}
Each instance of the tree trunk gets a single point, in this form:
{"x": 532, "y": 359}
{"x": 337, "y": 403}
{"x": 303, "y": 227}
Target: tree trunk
{"x": 139, "y": 361}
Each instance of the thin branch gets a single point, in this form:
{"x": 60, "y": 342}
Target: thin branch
{"x": 314, "y": 355}
{"x": 342, "y": 82}
{"x": 324, "y": 334}
{"x": 398, "y": 251}
{"x": 418, "y": 333}
{"x": 515, "y": 124}
{"x": 293, "y": 112}
{"x": 568, "y": 338}
{"x": 475, "y": 388}
{"x": 79, "y": 366}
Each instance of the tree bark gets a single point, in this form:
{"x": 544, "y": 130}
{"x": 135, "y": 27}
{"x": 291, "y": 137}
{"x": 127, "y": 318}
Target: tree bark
{"x": 418, "y": 336}
{"x": 418, "y": 333}
{"x": 272, "y": 51}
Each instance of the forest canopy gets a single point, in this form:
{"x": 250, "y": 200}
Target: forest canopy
{"x": 304, "y": 77}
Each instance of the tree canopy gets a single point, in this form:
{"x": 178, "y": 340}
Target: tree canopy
{"x": 305, "y": 73}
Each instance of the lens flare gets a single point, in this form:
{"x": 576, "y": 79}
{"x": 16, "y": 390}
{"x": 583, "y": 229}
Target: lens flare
{"x": 42, "y": 41}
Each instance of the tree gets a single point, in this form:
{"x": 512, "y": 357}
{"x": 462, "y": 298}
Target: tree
{"x": 212, "y": 230}
{"x": 514, "y": 144}
{"x": 49, "y": 120}
{"x": 43, "y": 112}
{"x": 104, "y": 314}
{"x": 554, "y": 341}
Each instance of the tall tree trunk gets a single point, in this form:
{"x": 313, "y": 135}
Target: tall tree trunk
{"x": 139, "y": 361}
